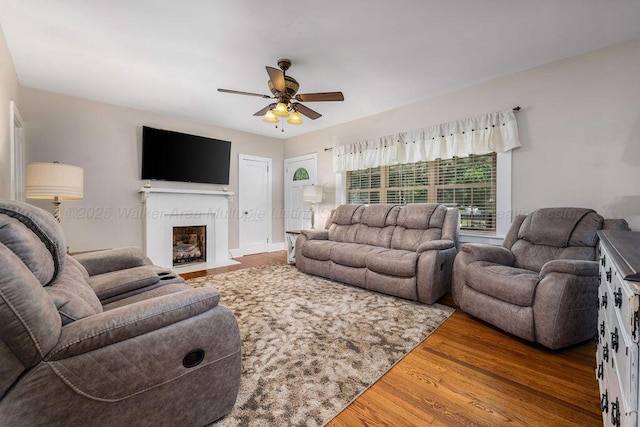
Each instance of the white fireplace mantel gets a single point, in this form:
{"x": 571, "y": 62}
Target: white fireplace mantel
{"x": 165, "y": 208}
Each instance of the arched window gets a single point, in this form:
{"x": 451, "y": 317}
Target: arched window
{"x": 300, "y": 174}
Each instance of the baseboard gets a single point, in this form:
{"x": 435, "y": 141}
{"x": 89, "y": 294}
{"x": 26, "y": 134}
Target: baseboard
{"x": 278, "y": 246}
{"x": 271, "y": 247}
{"x": 236, "y": 253}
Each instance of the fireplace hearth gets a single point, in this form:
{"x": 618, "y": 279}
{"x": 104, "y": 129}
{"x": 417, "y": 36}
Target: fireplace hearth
{"x": 189, "y": 244}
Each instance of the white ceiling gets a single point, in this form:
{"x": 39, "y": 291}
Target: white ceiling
{"x": 170, "y": 56}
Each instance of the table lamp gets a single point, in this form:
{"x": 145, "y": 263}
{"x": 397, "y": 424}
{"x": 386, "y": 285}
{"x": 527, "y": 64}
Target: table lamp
{"x": 313, "y": 194}
{"x": 54, "y": 181}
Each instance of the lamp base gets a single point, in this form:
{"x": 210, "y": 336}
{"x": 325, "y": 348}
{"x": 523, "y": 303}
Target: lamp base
{"x": 313, "y": 215}
{"x": 56, "y": 208}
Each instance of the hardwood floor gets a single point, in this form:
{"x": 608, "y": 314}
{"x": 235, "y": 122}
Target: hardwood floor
{"x": 470, "y": 373}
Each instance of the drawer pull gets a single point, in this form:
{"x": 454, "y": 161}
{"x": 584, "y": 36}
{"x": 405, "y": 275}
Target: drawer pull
{"x": 604, "y": 402}
{"x": 605, "y": 352}
{"x": 600, "y": 371}
{"x": 617, "y": 298}
{"x": 604, "y": 301}
{"x": 609, "y": 275}
{"x": 615, "y": 413}
{"x": 614, "y": 340}
{"x": 603, "y": 260}
{"x": 602, "y": 328}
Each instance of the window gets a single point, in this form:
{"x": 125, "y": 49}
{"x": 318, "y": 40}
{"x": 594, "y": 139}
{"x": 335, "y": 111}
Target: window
{"x": 300, "y": 174}
{"x": 468, "y": 183}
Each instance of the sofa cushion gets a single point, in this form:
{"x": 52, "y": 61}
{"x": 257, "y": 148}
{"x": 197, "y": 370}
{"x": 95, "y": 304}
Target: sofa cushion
{"x": 374, "y": 236}
{"x": 72, "y": 295}
{"x": 556, "y": 226}
{"x": 343, "y": 233}
{"x": 319, "y": 250}
{"x": 410, "y": 239}
{"x": 418, "y": 223}
{"x": 118, "y": 282}
{"x": 352, "y": 254}
{"x": 513, "y": 285}
{"x": 533, "y": 257}
{"x": 393, "y": 262}
{"x": 380, "y": 215}
{"x": 345, "y": 214}
{"x": 28, "y": 247}
{"x": 422, "y": 216}
{"x": 46, "y": 228}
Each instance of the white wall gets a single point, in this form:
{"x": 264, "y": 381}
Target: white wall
{"x": 8, "y": 92}
{"x": 579, "y": 126}
{"x": 106, "y": 141}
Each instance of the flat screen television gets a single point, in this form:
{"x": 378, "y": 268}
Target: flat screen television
{"x": 175, "y": 156}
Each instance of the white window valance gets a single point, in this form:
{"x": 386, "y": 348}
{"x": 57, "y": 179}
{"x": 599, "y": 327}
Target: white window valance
{"x": 477, "y": 135}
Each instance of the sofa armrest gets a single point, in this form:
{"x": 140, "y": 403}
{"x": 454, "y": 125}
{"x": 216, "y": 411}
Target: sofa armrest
{"x": 566, "y": 303}
{"x": 435, "y": 245}
{"x": 123, "y": 323}
{"x": 570, "y": 266}
{"x": 100, "y": 262}
{"x": 316, "y": 234}
{"x": 489, "y": 253}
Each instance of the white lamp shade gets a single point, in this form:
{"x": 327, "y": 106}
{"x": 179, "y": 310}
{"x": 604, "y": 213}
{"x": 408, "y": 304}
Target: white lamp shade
{"x": 50, "y": 180}
{"x": 311, "y": 193}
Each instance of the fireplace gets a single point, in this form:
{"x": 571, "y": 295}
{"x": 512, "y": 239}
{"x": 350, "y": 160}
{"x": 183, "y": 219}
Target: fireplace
{"x": 189, "y": 244}
{"x": 165, "y": 208}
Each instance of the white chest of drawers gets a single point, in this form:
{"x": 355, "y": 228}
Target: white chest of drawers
{"x": 618, "y": 327}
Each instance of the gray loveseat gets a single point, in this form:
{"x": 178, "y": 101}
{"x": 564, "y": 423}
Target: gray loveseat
{"x": 541, "y": 285}
{"x": 406, "y": 251}
{"x": 105, "y": 339}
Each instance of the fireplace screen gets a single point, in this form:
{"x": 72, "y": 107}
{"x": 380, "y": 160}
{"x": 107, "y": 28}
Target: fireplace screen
{"x": 189, "y": 244}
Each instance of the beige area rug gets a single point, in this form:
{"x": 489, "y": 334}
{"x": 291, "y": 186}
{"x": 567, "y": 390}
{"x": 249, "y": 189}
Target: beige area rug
{"x": 310, "y": 346}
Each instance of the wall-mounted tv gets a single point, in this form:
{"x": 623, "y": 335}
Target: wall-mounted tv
{"x": 175, "y": 156}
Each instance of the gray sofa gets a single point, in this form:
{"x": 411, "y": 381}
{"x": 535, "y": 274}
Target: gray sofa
{"x": 404, "y": 251}
{"x": 105, "y": 339}
{"x": 541, "y": 285}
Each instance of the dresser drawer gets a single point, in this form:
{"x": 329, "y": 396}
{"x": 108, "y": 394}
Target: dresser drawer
{"x": 620, "y": 298}
{"x": 615, "y": 409}
{"x": 624, "y": 360}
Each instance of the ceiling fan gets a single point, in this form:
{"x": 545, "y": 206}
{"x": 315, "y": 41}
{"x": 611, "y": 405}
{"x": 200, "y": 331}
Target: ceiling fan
{"x": 285, "y": 89}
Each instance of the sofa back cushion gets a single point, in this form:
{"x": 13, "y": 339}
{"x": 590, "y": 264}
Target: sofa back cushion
{"x": 555, "y": 233}
{"x": 41, "y": 246}
{"x": 345, "y": 223}
{"x": 417, "y": 223}
{"x": 72, "y": 295}
{"x": 376, "y": 225}
{"x": 29, "y": 322}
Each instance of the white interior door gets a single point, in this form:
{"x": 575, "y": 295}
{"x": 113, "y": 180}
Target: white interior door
{"x": 298, "y": 172}
{"x": 16, "y": 148}
{"x": 254, "y": 200}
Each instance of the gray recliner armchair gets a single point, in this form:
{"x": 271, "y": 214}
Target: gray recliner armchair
{"x": 541, "y": 284}
{"x": 107, "y": 338}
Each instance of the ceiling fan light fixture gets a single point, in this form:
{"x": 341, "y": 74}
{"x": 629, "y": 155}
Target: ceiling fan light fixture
{"x": 281, "y": 110}
{"x": 295, "y": 118}
{"x": 269, "y": 117}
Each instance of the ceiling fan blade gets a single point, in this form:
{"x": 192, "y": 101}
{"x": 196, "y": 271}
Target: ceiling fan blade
{"x": 265, "y": 109}
{"x": 322, "y": 96}
{"x": 237, "y": 92}
{"x": 306, "y": 111}
{"x": 277, "y": 78}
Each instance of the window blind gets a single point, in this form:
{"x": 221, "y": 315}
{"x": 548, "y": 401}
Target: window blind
{"x": 468, "y": 183}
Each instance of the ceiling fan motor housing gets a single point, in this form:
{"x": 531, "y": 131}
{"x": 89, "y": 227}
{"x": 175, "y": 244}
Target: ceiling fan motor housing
{"x": 291, "y": 87}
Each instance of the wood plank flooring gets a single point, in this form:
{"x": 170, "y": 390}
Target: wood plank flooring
{"x": 469, "y": 373}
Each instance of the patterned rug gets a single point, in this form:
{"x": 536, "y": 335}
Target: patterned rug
{"x": 310, "y": 346}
